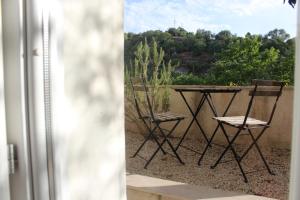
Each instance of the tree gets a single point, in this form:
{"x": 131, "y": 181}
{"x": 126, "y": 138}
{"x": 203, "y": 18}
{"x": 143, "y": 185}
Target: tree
{"x": 222, "y": 40}
{"x": 205, "y": 37}
{"x": 277, "y": 39}
{"x": 274, "y": 53}
{"x": 242, "y": 61}
{"x": 278, "y": 34}
{"x": 224, "y": 35}
{"x": 178, "y": 32}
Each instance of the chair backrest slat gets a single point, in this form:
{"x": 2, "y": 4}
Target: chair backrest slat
{"x": 269, "y": 93}
{"x": 138, "y": 84}
{"x": 266, "y": 82}
{"x": 138, "y": 88}
{"x": 133, "y": 81}
{"x": 265, "y": 88}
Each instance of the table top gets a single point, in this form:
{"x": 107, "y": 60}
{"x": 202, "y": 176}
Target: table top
{"x": 206, "y": 89}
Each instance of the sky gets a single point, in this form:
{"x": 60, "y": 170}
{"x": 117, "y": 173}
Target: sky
{"x": 238, "y": 16}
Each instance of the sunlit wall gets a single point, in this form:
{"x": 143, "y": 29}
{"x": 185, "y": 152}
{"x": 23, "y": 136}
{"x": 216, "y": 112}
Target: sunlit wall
{"x": 90, "y": 161}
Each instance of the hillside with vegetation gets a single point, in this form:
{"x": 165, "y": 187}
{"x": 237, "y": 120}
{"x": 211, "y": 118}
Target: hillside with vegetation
{"x": 223, "y": 58}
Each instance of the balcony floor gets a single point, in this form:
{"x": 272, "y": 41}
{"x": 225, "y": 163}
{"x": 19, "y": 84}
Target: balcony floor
{"x": 225, "y": 176}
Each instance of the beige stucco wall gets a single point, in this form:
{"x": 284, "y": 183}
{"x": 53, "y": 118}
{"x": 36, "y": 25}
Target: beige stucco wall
{"x": 279, "y": 135}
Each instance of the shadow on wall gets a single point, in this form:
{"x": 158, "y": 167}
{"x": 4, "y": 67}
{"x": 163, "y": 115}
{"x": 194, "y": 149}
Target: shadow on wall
{"x": 92, "y": 150}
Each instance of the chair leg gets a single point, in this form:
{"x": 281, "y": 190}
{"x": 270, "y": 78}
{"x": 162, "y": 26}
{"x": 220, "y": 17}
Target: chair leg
{"x": 185, "y": 133}
{"x": 151, "y": 158}
{"x": 169, "y": 143}
{"x": 252, "y": 144}
{"x": 158, "y": 143}
{"x": 213, "y": 109}
{"x": 146, "y": 139}
{"x": 162, "y": 143}
{"x": 229, "y": 146}
{"x": 259, "y": 151}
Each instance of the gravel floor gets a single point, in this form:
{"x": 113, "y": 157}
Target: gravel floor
{"x": 225, "y": 176}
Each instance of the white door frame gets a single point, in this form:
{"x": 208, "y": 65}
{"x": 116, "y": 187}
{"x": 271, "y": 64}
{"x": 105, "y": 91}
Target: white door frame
{"x": 40, "y": 131}
{"x": 4, "y": 176}
{"x": 14, "y": 59}
{"x": 23, "y": 57}
{"x": 14, "y": 56}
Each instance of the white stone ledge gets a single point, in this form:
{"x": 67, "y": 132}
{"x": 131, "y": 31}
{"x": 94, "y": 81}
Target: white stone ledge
{"x": 149, "y": 188}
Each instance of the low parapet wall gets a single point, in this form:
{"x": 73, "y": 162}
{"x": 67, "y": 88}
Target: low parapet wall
{"x": 278, "y": 135}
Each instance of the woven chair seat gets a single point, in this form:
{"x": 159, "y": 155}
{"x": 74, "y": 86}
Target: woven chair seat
{"x": 166, "y": 116}
{"x": 237, "y": 121}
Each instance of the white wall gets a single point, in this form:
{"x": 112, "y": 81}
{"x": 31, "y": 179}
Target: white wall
{"x": 295, "y": 166}
{"x": 90, "y": 152}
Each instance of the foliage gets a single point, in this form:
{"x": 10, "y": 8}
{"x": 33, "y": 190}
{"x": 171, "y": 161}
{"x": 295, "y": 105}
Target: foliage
{"x": 149, "y": 61}
{"x": 242, "y": 60}
{"x": 222, "y": 58}
{"x": 188, "y": 79}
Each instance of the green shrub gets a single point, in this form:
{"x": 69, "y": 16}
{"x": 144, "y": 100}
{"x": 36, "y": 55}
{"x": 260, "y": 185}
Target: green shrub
{"x": 188, "y": 79}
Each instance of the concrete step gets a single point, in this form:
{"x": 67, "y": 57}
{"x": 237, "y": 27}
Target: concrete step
{"x": 148, "y": 188}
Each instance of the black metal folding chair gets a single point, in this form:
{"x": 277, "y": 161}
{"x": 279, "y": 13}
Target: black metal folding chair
{"x": 265, "y": 88}
{"x": 153, "y": 121}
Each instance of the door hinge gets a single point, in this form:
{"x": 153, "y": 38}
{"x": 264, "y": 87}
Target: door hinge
{"x": 12, "y": 158}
